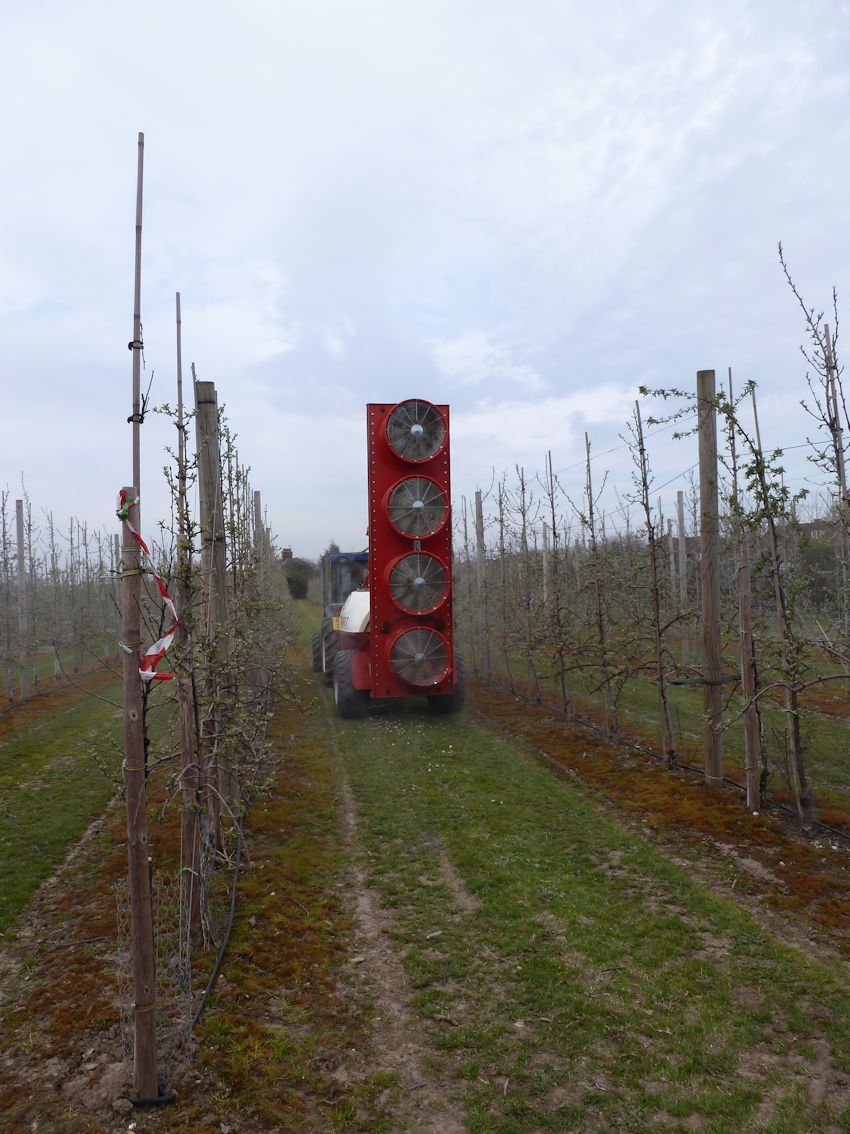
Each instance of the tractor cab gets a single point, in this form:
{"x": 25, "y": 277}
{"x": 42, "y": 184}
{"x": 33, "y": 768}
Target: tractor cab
{"x": 343, "y": 572}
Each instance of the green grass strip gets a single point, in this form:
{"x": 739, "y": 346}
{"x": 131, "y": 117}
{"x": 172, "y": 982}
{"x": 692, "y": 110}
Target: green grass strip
{"x": 582, "y": 981}
{"x": 57, "y": 773}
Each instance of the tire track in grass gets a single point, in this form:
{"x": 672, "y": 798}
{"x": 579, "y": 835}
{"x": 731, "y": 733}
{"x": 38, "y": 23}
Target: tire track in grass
{"x": 420, "y": 1104}
{"x": 595, "y": 986}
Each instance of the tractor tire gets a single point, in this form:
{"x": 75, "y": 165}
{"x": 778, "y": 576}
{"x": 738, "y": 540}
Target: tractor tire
{"x": 329, "y": 648}
{"x": 351, "y": 703}
{"x": 452, "y": 702}
{"x": 317, "y": 653}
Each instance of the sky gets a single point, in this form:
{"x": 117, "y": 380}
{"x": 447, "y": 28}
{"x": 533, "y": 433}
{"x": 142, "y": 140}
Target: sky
{"x": 524, "y": 210}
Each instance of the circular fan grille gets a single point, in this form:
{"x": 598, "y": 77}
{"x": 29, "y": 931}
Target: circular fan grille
{"x": 416, "y": 430}
{"x": 417, "y": 507}
{"x": 418, "y": 583}
{"x": 420, "y": 657}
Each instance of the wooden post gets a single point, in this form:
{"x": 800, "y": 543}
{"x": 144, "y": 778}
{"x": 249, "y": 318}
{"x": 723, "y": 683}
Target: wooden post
{"x": 139, "y": 873}
{"x": 23, "y": 631}
{"x": 258, "y": 527}
{"x": 214, "y": 560}
{"x": 481, "y": 571}
{"x": 545, "y": 559}
{"x": 503, "y": 564}
{"x": 683, "y": 570}
{"x": 709, "y": 540}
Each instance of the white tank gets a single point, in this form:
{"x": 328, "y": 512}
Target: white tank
{"x": 354, "y": 616}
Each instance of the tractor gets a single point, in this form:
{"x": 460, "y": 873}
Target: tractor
{"x": 341, "y": 572}
{"x": 396, "y": 639}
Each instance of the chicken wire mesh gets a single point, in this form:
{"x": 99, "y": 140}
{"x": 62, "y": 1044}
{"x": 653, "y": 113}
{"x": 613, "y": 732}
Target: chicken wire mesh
{"x": 174, "y": 995}
{"x": 179, "y": 985}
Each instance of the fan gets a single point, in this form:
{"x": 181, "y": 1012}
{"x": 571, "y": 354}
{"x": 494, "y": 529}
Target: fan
{"x": 420, "y": 657}
{"x": 416, "y": 430}
{"x": 417, "y": 507}
{"x": 419, "y": 583}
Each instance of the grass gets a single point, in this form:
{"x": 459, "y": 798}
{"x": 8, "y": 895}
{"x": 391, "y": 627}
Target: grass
{"x": 596, "y": 986}
{"x": 825, "y": 736}
{"x": 60, "y": 759}
{"x": 561, "y": 973}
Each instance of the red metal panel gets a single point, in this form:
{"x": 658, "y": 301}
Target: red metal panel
{"x": 387, "y": 544}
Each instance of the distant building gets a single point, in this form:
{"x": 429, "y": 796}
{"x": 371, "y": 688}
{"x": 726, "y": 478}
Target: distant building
{"x": 286, "y": 554}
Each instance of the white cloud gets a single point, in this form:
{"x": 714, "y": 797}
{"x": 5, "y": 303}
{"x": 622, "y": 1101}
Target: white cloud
{"x": 477, "y": 359}
{"x": 523, "y": 210}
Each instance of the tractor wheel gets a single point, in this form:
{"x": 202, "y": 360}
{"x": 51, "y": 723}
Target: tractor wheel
{"x": 330, "y": 645}
{"x": 452, "y": 702}
{"x": 317, "y": 653}
{"x": 350, "y": 703}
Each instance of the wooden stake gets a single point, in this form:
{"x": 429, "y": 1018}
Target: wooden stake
{"x": 683, "y": 570}
{"x": 214, "y": 564}
{"x": 481, "y": 574}
{"x": 139, "y": 872}
{"x": 709, "y": 540}
{"x": 22, "y": 601}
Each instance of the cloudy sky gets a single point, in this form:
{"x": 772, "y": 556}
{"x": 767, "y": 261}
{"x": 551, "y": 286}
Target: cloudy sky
{"x": 526, "y": 210}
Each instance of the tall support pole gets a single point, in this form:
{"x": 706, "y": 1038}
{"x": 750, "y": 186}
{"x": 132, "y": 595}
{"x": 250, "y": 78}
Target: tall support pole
{"x": 683, "y": 570}
{"x": 136, "y": 344}
{"x": 481, "y": 571}
{"x": 834, "y": 409}
{"x": 709, "y": 540}
{"x": 545, "y": 564}
{"x": 214, "y": 564}
{"x": 190, "y": 782}
{"x": 258, "y": 527}
{"x": 23, "y": 629}
{"x": 141, "y": 914}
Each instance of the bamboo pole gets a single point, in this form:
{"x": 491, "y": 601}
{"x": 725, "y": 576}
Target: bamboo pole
{"x": 141, "y": 914}
{"x": 136, "y": 344}
{"x": 709, "y": 539}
